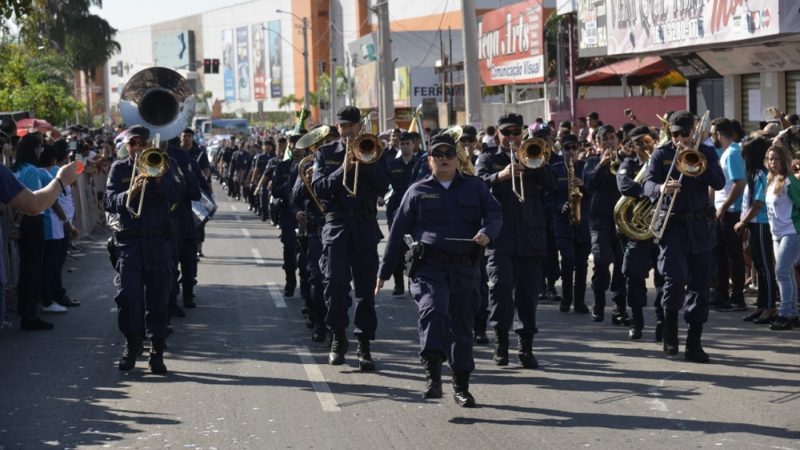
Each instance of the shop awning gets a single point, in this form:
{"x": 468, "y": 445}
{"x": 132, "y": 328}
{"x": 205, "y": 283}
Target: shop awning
{"x": 638, "y": 70}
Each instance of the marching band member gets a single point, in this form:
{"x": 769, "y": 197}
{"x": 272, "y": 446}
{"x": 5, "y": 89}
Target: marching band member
{"x": 450, "y": 217}
{"x": 687, "y": 243}
{"x": 515, "y": 257}
{"x": 350, "y": 239}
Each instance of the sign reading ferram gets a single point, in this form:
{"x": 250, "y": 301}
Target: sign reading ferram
{"x": 510, "y": 49}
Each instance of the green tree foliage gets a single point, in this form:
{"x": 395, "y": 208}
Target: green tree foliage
{"x": 35, "y": 81}
{"x": 14, "y": 10}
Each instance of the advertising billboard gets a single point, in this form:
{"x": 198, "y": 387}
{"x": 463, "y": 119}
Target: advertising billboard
{"x": 228, "y": 74}
{"x": 510, "y": 46}
{"x": 174, "y": 49}
{"x": 591, "y": 28}
{"x": 275, "y": 58}
{"x": 259, "y": 63}
{"x": 243, "y": 63}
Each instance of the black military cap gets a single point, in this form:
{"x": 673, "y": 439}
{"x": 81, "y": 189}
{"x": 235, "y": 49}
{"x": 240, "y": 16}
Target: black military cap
{"x": 509, "y": 120}
{"x": 639, "y": 132}
{"x": 468, "y": 131}
{"x": 137, "y": 130}
{"x": 348, "y": 114}
{"x": 442, "y": 140}
{"x": 188, "y": 131}
{"x": 569, "y": 138}
{"x": 282, "y": 140}
{"x": 542, "y": 133}
{"x": 605, "y": 129}
{"x": 681, "y": 120}
{"x": 405, "y": 136}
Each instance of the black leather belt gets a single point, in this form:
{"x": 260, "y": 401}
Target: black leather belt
{"x": 442, "y": 256}
{"x": 365, "y": 212}
{"x": 144, "y": 233}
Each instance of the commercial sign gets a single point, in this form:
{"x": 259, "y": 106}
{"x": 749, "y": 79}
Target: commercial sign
{"x": 592, "y": 28}
{"x": 243, "y": 63}
{"x": 510, "y": 46}
{"x": 259, "y": 63}
{"x": 637, "y": 26}
{"x": 228, "y": 73}
{"x": 426, "y": 83}
{"x": 174, "y": 49}
{"x": 275, "y": 59}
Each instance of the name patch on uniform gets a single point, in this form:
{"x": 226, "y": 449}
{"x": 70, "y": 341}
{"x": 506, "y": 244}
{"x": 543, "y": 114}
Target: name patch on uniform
{"x": 562, "y": 178}
{"x": 398, "y": 170}
{"x": 424, "y": 196}
{"x": 126, "y": 180}
{"x": 666, "y": 162}
{"x": 333, "y": 163}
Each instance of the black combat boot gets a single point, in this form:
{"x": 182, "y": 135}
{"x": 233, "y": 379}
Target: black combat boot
{"x": 320, "y": 333}
{"x": 566, "y": 300}
{"x": 433, "y": 375}
{"x": 156, "y": 361}
{"x": 658, "y": 335}
{"x": 694, "y": 348}
{"x": 339, "y": 346}
{"x": 637, "y": 323}
{"x": 501, "y": 347}
{"x": 133, "y": 350}
{"x": 526, "y": 358}
{"x": 365, "y": 362}
{"x": 671, "y": 343}
{"x": 480, "y": 330}
{"x": 598, "y": 310}
{"x": 461, "y": 390}
{"x": 619, "y": 316}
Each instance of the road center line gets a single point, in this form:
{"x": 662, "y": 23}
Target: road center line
{"x": 257, "y": 256}
{"x": 324, "y": 394}
{"x": 245, "y": 232}
{"x": 277, "y": 297}
{"x": 238, "y": 218}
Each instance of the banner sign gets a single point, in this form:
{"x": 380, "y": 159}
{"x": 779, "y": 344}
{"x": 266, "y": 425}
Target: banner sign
{"x": 243, "y": 63}
{"x": 259, "y": 63}
{"x": 637, "y": 26}
{"x": 510, "y": 46}
{"x": 275, "y": 59}
{"x": 228, "y": 74}
{"x": 174, "y": 49}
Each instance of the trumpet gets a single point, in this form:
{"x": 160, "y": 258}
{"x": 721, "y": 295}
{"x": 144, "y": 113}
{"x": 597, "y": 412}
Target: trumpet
{"x": 153, "y": 163}
{"x": 689, "y": 161}
{"x": 532, "y": 154}
{"x": 366, "y": 149}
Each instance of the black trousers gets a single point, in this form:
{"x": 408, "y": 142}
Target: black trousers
{"x": 760, "y": 243}
{"x": 729, "y": 259}
{"x": 51, "y": 273}
{"x": 31, "y": 265}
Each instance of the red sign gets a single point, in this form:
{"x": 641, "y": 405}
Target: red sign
{"x": 510, "y": 46}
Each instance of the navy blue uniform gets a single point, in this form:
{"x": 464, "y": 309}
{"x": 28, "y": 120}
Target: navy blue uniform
{"x": 685, "y": 248}
{"x": 421, "y": 168}
{"x": 515, "y": 258}
{"x": 573, "y": 241}
{"x": 185, "y": 244}
{"x": 640, "y": 256}
{"x": 293, "y": 257}
{"x": 268, "y": 205}
{"x": 350, "y": 238}
{"x": 606, "y": 245}
{"x": 144, "y": 276}
{"x": 200, "y": 156}
{"x": 446, "y": 293}
{"x": 552, "y": 270}
{"x": 399, "y": 179}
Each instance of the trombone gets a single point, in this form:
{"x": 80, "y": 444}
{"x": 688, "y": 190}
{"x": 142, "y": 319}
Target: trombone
{"x": 533, "y": 153}
{"x": 366, "y": 149}
{"x": 153, "y": 163}
{"x": 688, "y": 161}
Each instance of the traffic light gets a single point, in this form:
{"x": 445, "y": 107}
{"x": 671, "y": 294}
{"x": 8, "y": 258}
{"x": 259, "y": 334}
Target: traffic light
{"x": 206, "y": 66}
{"x": 214, "y": 66}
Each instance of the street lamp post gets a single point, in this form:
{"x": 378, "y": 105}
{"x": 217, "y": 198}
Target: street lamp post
{"x": 304, "y": 20}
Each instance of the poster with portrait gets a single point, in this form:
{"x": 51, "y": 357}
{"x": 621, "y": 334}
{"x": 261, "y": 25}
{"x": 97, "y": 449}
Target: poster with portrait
{"x": 275, "y": 59}
{"x": 243, "y": 63}
{"x": 228, "y": 74}
{"x": 259, "y": 63}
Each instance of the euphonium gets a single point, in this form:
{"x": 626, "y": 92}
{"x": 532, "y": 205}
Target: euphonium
{"x": 464, "y": 158}
{"x": 689, "y": 161}
{"x": 633, "y": 216}
{"x": 366, "y": 149}
{"x": 532, "y": 153}
{"x": 310, "y": 141}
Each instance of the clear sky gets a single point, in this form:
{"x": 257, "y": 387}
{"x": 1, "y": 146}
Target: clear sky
{"x": 124, "y": 14}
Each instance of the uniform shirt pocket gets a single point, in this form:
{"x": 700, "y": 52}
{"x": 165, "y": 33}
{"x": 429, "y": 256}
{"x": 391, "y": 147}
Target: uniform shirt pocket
{"x": 432, "y": 212}
{"x": 469, "y": 210}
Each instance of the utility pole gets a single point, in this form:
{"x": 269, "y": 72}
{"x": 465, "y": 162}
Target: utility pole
{"x": 472, "y": 78}
{"x": 332, "y": 64}
{"x": 386, "y": 102}
{"x": 572, "y": 91}
{"x": 305, "y": 63}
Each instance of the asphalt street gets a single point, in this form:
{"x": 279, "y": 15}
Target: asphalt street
{"x": 243, "y": 373}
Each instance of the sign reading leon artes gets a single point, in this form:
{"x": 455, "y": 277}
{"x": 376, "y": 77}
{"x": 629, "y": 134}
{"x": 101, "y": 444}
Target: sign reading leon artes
{"x": 511, "y": 49}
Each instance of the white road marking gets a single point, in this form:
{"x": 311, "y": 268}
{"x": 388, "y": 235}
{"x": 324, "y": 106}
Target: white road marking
{"x": 257, "y": 256}
{"x": 234, "y": 208}
{"x": 238, "y": 218}
{"x": 655, "y": 403}
{"x": 246, "y": 233}
{"x": 277, "y": 297}
{"x": 324, "y": 394}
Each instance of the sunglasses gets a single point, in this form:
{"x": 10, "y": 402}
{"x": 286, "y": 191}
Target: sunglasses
{"x": 469, "y": 139}
{"x": 450, "y": 153}
{"x": 682, "y": 133}
{"x": 136, "y": 142}
{"x": 507, "y": 132}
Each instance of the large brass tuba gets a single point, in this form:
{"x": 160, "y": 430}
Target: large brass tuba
{"x": 365, "y": 149}
{"x": 161, "y": 100}
{"x": 689, "y": 161}
{"x": 532, "y": 154}
{"x": 633, "y": 216}
{"x": 464, "y": 158}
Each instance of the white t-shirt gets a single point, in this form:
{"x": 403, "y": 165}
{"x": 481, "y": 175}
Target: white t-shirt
{"x": 779, "y": 212}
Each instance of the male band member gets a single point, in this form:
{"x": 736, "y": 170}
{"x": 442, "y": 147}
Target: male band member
{"x": 516, "y": 256}
{"x": 399, "y": 169}
{"x": 451, "y": 217}
{"x": 198, "y": 154}
{"x": 259, "y": 169}
{"x": 640, "y": 256}
{"x": 349, "y": 239}
{"x": 552, "y": 270}
{"x": 185, "y": 244}
{"x": 688, "y": 240}
{"x": 572, "y": 239}
{"x": 227, "y": 159}
{"x": 144, "y": 275}
{"x": 601, "y": 183}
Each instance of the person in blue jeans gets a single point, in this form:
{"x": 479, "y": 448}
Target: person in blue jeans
{"x": 783, "y": 211}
